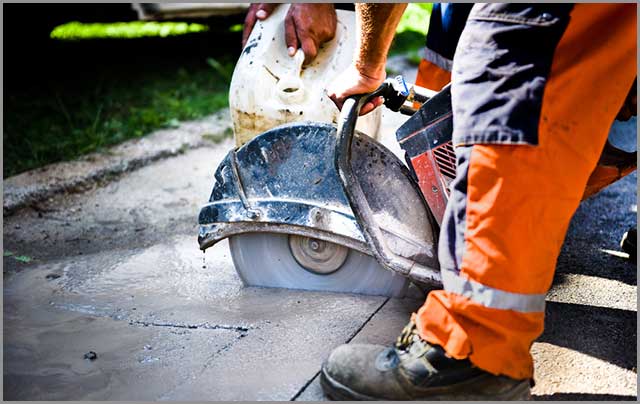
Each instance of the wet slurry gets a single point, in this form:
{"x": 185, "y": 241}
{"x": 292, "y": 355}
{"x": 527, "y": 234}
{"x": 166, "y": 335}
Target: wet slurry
{"x": 117, "y": 271}
{"x": 128, "y": 274}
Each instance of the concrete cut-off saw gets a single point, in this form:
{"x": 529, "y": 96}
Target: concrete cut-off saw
{"x": 313, "y": 206}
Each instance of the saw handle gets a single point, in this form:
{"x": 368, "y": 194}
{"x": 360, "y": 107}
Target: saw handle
{"x": 395, "y": 93}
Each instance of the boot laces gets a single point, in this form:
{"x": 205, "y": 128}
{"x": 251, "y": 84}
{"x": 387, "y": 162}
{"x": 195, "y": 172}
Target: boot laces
{"x": 407, "y": 336}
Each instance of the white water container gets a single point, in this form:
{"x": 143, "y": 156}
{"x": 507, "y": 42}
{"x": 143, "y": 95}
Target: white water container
{"x": 270, "y": 88}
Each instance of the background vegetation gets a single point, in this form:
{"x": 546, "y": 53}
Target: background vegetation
{"x": 85, "y": 77}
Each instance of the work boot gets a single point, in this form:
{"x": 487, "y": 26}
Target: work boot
{"x": 411, "y": 370}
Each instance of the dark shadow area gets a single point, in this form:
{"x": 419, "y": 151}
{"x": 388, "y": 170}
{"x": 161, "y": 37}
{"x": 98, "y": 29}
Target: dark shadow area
{"x": 580, "y": 256}
{"x": 583, "y": 397}
{"x": 66, "y": 98}
{"x": 32, "y": 57}
{"x": 600, "y": 332}
{"x": 598, "y": 224}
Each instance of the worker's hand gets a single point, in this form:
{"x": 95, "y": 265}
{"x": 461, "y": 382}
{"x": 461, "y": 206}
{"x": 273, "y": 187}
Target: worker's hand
{"x": 257, "y": 11}
{"x": 307, "y": 26}
{"x": 352, "y": 81}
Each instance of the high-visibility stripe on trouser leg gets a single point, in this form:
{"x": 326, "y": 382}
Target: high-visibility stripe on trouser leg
{"x": 520, "y": 199}
{"x": 491, "y": 297}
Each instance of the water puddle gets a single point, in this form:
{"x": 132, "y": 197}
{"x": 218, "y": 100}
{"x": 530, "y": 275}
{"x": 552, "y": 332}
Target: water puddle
{"x": 174, "y": 269}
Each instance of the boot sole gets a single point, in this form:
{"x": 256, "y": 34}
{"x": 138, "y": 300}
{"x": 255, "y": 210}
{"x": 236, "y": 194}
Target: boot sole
{"x": 338, "y": 392}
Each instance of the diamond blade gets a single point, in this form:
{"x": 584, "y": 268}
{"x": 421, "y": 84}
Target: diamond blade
{"x": 265, "y": 259}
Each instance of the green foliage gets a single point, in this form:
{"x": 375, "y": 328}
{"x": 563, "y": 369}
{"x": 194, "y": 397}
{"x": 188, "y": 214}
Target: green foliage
{"x": 411, "y": 32}
{"x": 225, "y": 70}
{"x": 410, "y": 44}
{"x": 133, "y": 29}
{"x": 25, "y": 259}
{"x": 62, "y": 122}
{"x": 415, "y": 18}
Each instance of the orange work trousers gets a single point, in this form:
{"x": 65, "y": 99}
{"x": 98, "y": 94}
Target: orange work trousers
{"x": 518, "y": 199}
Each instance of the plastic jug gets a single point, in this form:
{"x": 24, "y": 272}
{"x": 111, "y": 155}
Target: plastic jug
{"x": 269, "y": 87}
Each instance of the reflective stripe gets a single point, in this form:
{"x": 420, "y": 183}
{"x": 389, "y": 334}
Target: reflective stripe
{"x": 490, "y": 297}
{"x": 437, "y": 59}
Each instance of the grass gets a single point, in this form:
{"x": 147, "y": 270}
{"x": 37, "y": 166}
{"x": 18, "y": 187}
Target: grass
{"x": 65, "y": 121}
{"x": 412, "y": 31}
{"x": 107, "y": 102}
{"x": 415, "y": 18}
{"x": 25, "y": 259}
{"x": 133, "y": 29}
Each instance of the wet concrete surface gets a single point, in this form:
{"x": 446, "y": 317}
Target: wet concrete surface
{"x": 116, "y": 270}
{"x": 159, "y": 317}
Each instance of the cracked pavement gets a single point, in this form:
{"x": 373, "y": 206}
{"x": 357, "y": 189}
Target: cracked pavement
{"x": 117, "y": 270}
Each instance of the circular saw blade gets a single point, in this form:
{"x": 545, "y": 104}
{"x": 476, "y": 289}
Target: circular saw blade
{"x": 265, "y": 259}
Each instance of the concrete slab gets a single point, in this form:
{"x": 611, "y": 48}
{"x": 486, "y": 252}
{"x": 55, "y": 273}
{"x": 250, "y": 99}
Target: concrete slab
{"x": 206, "y": 335}
{"x": 117, "y": 268}
{"x": 383, "y": 329}
{"x": 126, "y": 253}
{"x": 276, "y": 362}
{"x": 133, "y": 362}
{"x": 572, "y": 375}
{"x": 143, "y": 208}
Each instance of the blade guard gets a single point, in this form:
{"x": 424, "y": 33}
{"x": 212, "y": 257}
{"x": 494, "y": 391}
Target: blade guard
{"x": 285, "y": 181}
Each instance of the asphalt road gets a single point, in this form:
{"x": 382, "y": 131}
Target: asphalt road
{"x": 116, "y": 270}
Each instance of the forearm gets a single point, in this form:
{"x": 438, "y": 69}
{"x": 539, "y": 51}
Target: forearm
{"x": 375, "y": 27}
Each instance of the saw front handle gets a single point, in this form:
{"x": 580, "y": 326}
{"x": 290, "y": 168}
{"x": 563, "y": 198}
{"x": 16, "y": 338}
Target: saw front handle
{"x": 398, "y": 96}
{"x": 395, "y": 93}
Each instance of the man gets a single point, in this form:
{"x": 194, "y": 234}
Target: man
{"x": 535, "y": 89}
